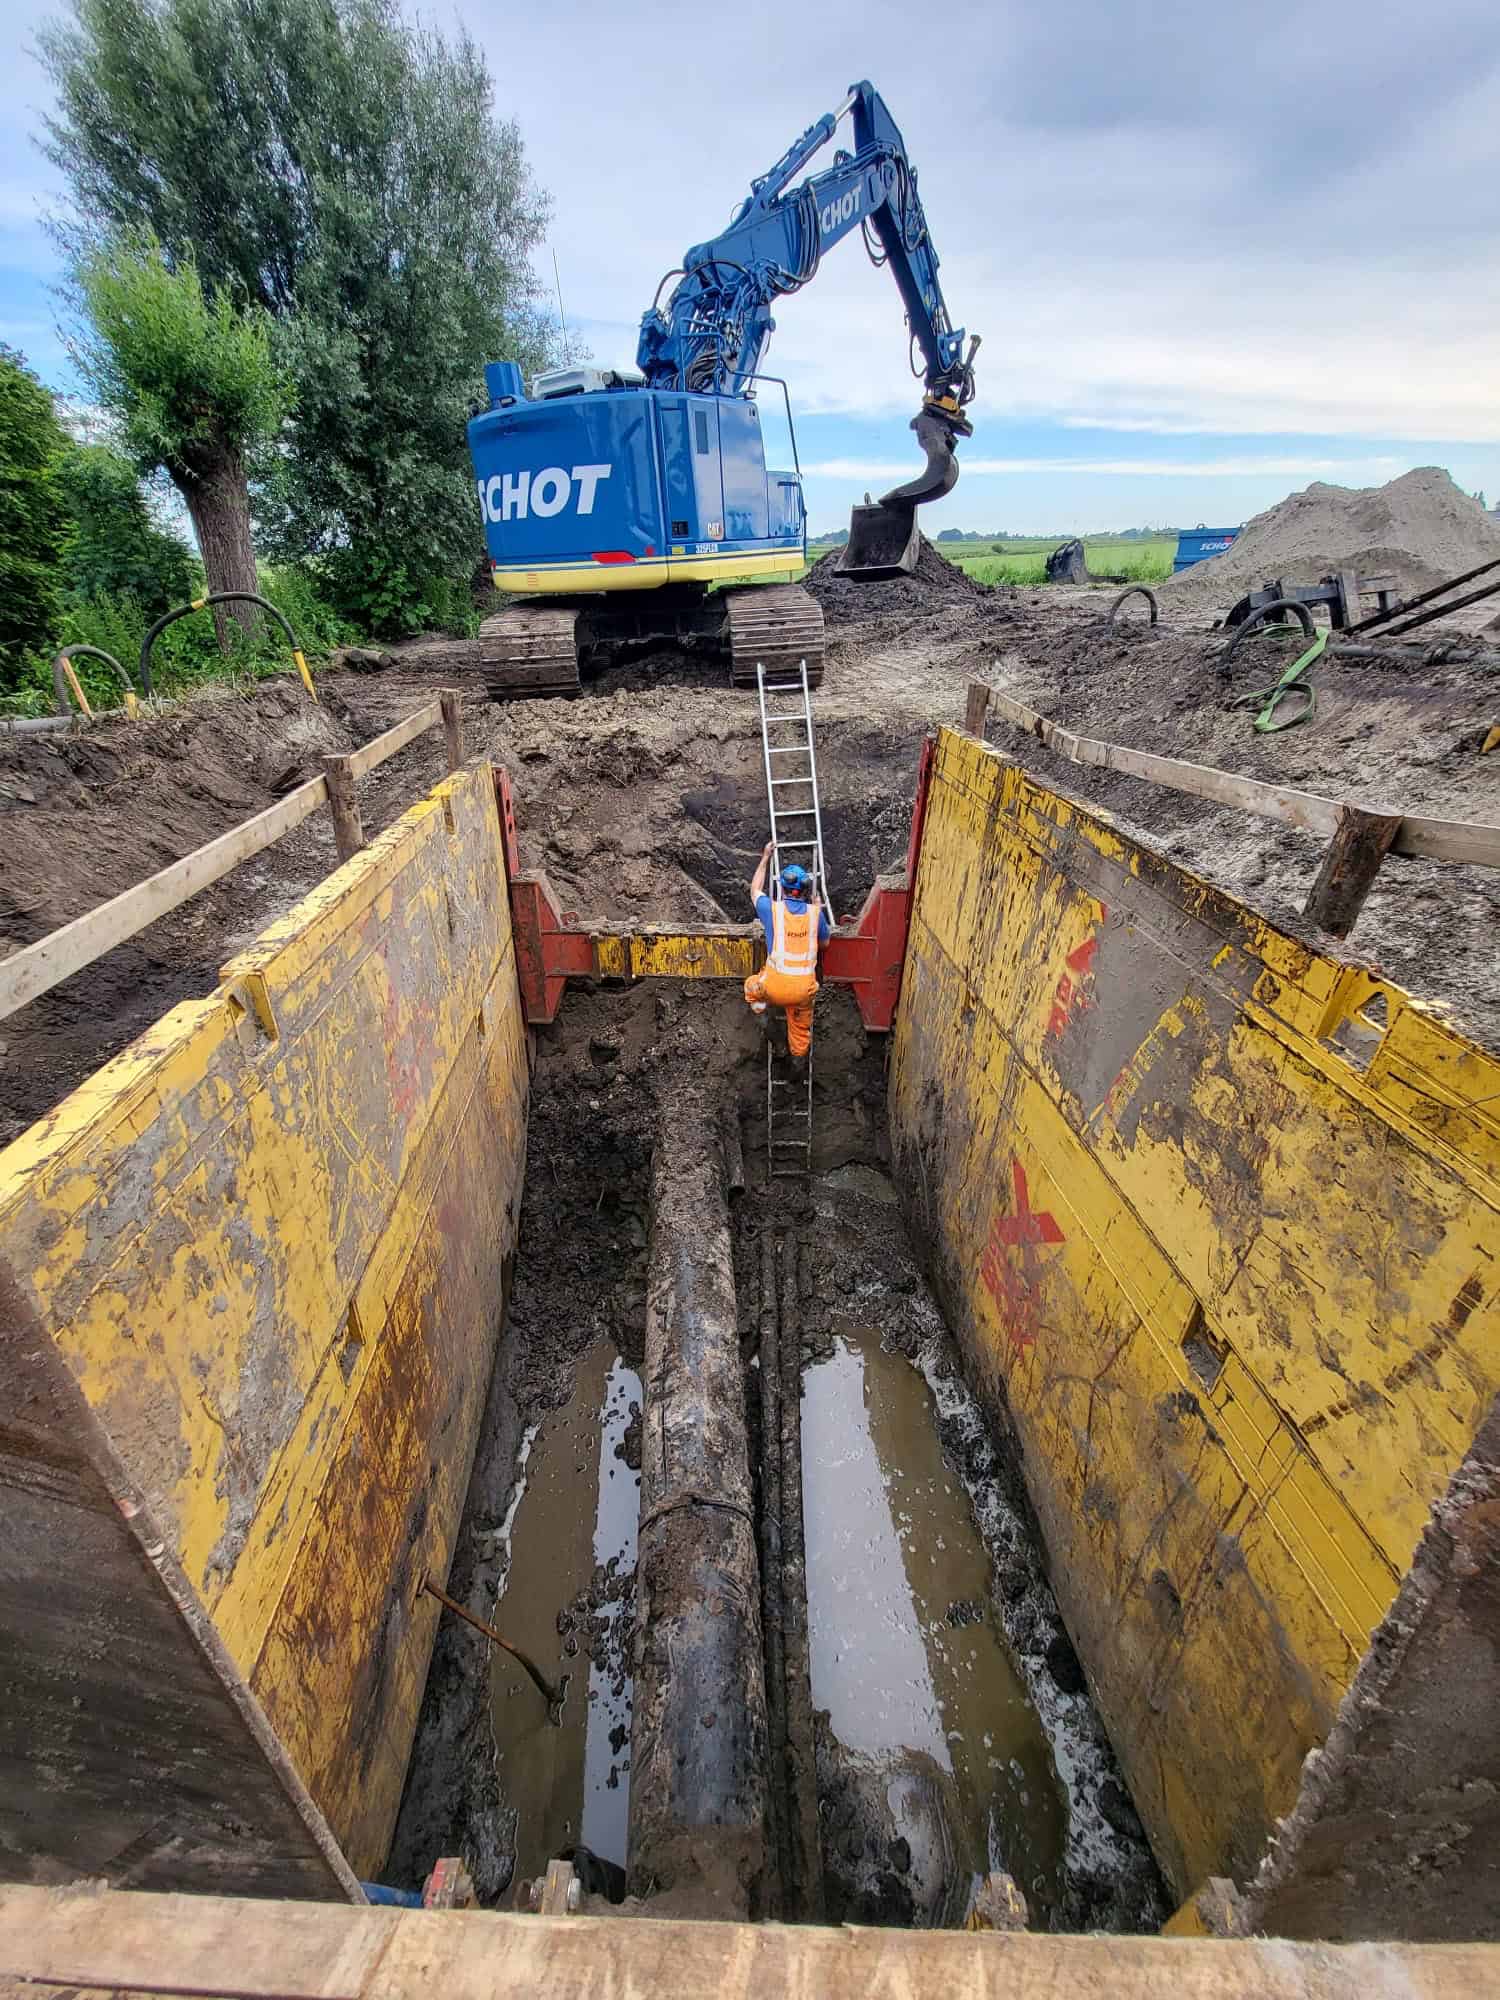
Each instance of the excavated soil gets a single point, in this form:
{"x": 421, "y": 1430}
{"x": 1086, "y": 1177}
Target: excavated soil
{"x": 644, "y": 797}
{"x": 934, "y": 581}
{"x": 1419, "y": 528}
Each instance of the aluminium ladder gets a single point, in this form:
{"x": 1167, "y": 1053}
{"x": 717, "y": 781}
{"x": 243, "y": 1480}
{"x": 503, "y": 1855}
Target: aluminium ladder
{"x": 792, "y": 769}
{"x": 786, "y": 734}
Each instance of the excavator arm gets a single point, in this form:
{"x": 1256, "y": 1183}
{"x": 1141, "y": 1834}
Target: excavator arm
{"x": 711, "y": 335}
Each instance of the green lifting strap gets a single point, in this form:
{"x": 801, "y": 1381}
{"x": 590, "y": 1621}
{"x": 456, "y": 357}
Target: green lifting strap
{"x": 1269, "y": 700}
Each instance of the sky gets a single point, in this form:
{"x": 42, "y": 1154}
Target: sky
{"x": 1214, "y": 252}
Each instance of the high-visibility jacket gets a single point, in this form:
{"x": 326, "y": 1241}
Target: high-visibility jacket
{"x": 794, "y": 941}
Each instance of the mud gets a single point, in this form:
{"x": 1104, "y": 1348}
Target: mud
{"x": 922, "y": 1701}
{"x": 935, "y": 581}
{"x": 925, "y": 1810}
{"x": 568, "y": 1600}
{"x": 1062, "y": 1823}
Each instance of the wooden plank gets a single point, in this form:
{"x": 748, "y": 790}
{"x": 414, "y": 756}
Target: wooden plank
{"x": 264, "y": 1950}
{"x": 63, "y": 952}
{"x": 27, "y": 974}
{"x": 1350, "y": 865}
{"x": 394, "y": 740}
{"x": 976, "y": 703}
{"x": 1449, "y": 840}
{"x": 1437, "y": 839}
{"x": 1283, "y": 802}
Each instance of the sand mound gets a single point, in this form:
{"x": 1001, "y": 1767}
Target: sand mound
{"x": 935, "y": 581}
{"x": 1420, "y": 527}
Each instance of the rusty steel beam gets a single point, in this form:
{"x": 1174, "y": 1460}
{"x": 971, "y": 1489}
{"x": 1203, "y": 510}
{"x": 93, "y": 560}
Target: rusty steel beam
{"x": 554, "y": 946}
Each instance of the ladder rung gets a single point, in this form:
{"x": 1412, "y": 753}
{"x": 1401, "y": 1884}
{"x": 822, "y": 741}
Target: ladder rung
{"x": 788, "y": 750}
{"x": 780, "y": 784}
{"x": 796, "y": 843}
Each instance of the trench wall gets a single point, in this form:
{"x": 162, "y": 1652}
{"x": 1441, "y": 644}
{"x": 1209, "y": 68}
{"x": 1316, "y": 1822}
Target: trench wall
{"x": 1223, "y": 1245}
{"x": 251, "y": 1281}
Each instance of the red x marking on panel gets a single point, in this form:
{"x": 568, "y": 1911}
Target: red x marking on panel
{"x": 1011, "y": 1266}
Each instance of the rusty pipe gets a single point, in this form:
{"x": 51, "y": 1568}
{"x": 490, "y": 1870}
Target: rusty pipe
{"x": 552, "y": 1696}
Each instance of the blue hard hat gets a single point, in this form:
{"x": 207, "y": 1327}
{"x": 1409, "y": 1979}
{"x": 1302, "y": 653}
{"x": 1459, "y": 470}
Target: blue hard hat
{"x": 794, "y": 879}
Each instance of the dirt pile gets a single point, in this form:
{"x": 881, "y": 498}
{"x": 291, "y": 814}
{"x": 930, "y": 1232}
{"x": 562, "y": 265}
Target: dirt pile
{"x": 1391, "y": 737}
{"x": 84, "y": 816}
{"x": 935, "y": 582}
{"x": 1420, "y": 527}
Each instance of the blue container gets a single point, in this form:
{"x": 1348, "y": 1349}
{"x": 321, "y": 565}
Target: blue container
{"x": 1195, "y": 545}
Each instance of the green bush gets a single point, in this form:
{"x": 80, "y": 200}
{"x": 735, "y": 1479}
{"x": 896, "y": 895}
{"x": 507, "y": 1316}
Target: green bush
{"x": 187, "y": 653}
{"x": 113, "y": 547}
{"x": 33, "y": 516}
{"x": 391, "y": 599}
{"x": 301, "y": 595}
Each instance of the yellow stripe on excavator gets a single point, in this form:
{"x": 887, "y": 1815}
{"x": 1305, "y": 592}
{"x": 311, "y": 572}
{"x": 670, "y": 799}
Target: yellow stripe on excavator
{"x": 558, "y": 578}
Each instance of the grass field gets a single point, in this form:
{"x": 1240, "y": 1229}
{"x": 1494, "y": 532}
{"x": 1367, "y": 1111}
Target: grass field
{"x": 1024, "y": 561}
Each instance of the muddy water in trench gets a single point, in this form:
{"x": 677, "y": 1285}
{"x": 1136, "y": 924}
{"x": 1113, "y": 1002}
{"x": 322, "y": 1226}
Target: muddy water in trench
{"x": 907, "y": 1656}
{"x": 576, "y": 1517}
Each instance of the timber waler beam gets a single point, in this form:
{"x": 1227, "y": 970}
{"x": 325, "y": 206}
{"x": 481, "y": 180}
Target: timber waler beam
{"x": 554, "y": 945}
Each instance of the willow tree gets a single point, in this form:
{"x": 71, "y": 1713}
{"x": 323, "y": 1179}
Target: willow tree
{"x": 192, "y": 381}
{"x": 343, "y": 167}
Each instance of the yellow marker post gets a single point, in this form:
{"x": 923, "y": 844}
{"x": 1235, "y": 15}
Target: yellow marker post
{"x": 77, "y": 686}
{"x": 302, "y": 668}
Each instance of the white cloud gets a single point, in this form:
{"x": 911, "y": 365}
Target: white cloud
{"x": 1150, "y": 229}
{"x": 1377, "y": 469}
{"x": 1131, "y": 253}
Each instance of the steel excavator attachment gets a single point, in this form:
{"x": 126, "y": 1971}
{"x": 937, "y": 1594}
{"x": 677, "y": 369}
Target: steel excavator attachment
{"x": 884, "y": 539}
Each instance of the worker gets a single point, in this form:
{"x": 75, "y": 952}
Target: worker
{"x": 795, "y": 926}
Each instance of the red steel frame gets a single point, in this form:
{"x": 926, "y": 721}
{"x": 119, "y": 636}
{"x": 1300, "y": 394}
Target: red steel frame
{"x": 868, "y": 957}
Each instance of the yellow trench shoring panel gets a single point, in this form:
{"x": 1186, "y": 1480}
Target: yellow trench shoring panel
{"x": 268, "y": 1242}
{"x": 1236, "y": 1279}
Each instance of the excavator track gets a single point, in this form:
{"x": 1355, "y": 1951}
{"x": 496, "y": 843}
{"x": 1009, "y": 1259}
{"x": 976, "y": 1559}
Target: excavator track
{"x": 777, "y": 626}
{"x": 526, "y": 653}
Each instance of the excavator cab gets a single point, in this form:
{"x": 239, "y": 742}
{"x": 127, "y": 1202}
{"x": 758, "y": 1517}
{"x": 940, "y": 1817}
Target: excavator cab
{"x": 884, "y": 539}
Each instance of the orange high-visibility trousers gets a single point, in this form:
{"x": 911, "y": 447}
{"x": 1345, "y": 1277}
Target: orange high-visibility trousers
{"x": 794, "y": 993}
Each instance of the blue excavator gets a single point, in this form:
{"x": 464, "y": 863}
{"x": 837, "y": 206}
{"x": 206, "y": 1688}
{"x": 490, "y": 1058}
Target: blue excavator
{"x": 614, "y": 500}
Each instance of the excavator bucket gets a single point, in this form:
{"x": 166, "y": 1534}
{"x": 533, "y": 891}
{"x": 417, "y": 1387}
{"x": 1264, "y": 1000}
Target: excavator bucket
{"x": 884, "y": 539}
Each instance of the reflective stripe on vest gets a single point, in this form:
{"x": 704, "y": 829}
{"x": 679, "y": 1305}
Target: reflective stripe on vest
{"x": 794, "y": 948}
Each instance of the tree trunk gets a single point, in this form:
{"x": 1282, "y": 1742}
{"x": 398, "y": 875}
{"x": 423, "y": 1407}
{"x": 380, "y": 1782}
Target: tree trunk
{"x": 218, "y": 499}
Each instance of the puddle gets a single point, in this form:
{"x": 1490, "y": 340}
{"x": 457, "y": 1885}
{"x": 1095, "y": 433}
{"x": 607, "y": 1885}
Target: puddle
{"x": 906, "y": 1651}
{"x": 572, "y": 1551}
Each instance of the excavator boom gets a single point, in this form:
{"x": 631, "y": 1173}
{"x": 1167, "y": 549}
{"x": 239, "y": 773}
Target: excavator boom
{"x": 614, "y": 500}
